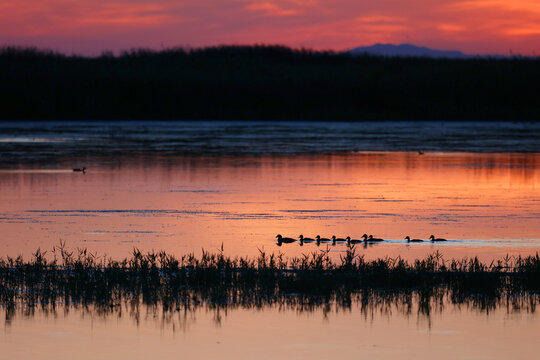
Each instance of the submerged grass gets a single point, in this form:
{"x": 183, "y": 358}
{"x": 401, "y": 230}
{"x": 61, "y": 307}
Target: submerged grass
{"x": 82, "y": 278}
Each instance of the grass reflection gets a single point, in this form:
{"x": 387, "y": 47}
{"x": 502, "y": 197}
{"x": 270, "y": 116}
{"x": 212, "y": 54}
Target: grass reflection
{"x": 161, "y": 283}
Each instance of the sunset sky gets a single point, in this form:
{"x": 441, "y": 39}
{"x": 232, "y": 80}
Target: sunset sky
{"x": 91, "y": 26}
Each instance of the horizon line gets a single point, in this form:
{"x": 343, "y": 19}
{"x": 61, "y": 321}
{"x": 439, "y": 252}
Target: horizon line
{"x": 189, "y": 48}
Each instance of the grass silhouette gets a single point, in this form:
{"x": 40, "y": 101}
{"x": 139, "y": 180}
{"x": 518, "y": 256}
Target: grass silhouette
{"x": 81, "y": 278}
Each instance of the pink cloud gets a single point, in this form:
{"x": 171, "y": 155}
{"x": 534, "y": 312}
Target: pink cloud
{"x": 90, "y": 26}
{"x": 271, "y": 9}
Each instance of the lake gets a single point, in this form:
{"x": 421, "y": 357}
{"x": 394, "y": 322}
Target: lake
{"x": 187, "y": 186}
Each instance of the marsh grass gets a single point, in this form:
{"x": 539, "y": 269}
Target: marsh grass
{"x": 156, "y": 279}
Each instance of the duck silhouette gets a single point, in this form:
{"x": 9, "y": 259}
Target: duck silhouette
{"x": 334, "y": 240}
{"x": 433, "y": 238}
{"x": 284, "y": 240}
{"x": 412, "y": 240}
{"x": 83, "y": 170}
{"x": 321, "y": 240}
{"x": 305, "y": 240}
{"x": 372, "y": 239}
{"x": 352, "y": 241}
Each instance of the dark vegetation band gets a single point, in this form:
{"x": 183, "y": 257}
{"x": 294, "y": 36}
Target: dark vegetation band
{"x": 264, "y": 83}
{"x": 83, "y": 278}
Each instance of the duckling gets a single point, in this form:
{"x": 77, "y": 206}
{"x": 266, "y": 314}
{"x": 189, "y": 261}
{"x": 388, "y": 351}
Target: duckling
{"x": 433, "y": 238}
{"x": 305, "y": 240}
{"x": 334, "y": 240}
{"x": 372, "y": 239}
{"x": 320, "y": 240}
{"x": 413, "y": 240}
{"x": 352, "y": 241}
{"x": 284, "y": 240}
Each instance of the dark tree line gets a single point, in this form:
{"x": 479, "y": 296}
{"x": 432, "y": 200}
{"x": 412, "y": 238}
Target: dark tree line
{"x": 264, "y": 83}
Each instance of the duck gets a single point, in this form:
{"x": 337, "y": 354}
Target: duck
{"x": 334, "y": 240}
{"x": 433, "y": 238}
{"x": 320, "y": 240}
{"x": 372, "y": 239}
{"x": 305, "y": 240}
{"x": 352, "y": 241}
{"x": 83, "y": 170}
{"x": 413, "y": 240}
{"x": 284, "y": 240}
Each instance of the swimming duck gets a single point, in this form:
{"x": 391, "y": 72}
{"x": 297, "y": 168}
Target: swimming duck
{"x": 433, "y": 238}
{"x": 305, "y": 240}
{"x": 334, "y": 240}
{"x": 284, "y": 240}
{"x": 83, "y": 170}
{"x": 372, "y": 239}
{"x": 352, "y": 241}
{"x": 412, "y": 240}
{"x": 320, "y": 240}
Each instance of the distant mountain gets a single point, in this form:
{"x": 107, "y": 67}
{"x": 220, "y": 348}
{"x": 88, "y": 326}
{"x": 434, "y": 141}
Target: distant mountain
{"x": 407, "y": 50}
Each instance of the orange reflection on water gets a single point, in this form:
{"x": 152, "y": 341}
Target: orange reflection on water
{"x": 488, "y": 203}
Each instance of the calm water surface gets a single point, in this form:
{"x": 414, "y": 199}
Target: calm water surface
{"x": 486, "y": 204}
{"x": 271, "y": 332}
{"x": 181, "y": 187}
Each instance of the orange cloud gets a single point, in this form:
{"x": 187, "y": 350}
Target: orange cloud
{"x": 502, "y": 19}
{"x": 450, "y": 28}
{"x": 271, "y": 9}
{"x": 504, "y": 5}
{"x": 380, "y": 19}
{"x": 52, "y": 17}
{"x": 532, "y": 29}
